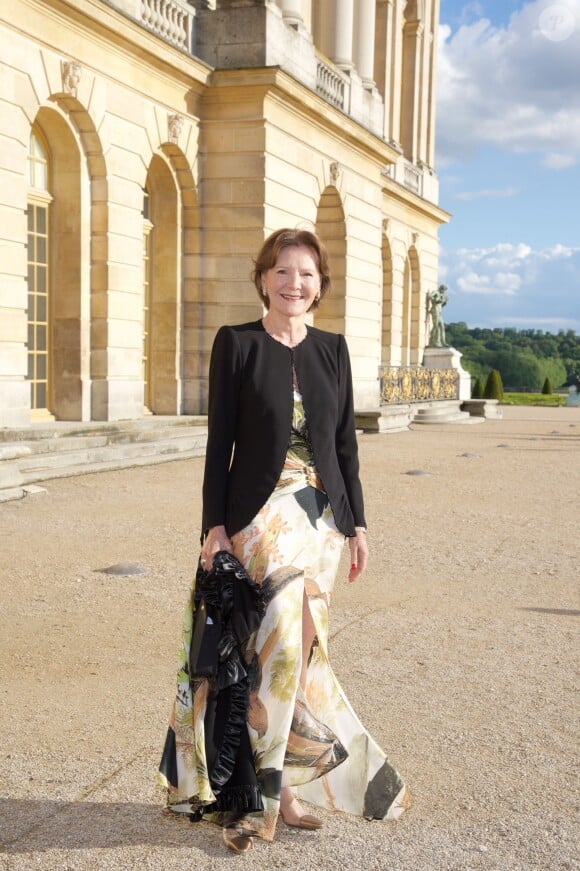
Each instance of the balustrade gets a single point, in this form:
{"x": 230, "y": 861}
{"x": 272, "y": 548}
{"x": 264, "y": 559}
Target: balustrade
{"x": 332, "y": 85}
{"x": 406, "y": 173}
{"x": 172, "y": 20}
{"x": 412, "y": 177}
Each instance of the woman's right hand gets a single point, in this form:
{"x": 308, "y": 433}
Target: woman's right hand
{"x": 215, "y": 540}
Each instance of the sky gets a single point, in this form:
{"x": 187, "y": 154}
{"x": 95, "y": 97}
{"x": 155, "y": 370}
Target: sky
{"x": 508, "y": 161}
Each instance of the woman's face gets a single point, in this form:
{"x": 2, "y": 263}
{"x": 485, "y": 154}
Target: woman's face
{"x": 293, "y": 283}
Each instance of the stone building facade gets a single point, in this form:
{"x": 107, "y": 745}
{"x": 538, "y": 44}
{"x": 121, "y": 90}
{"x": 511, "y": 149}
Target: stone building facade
{"x": 147, "y": 147}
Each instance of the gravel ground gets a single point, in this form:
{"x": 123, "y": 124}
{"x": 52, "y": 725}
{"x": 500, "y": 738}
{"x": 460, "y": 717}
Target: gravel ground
{"x": 458, "y": 650}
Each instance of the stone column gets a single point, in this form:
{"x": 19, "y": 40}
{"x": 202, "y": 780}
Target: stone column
{"x": 412, "y": 78}
{"x": 364, "y": 41}
{"x": 291, "y": 11}
{"x": 341, "y": 47}
{"x": 394, "y": 71}
{"x": 383, "y": 57}
{"x": 423, "y": 85}
{"x": 432, "y": 96}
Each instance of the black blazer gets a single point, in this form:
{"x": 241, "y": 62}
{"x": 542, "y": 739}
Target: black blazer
{"x": 250, "y": 412}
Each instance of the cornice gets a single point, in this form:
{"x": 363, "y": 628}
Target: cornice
{"x": 404, "y": 195}
{"x": 275, "y": 83}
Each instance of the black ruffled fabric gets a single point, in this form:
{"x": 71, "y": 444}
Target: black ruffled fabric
{"x": 228, "y": 608}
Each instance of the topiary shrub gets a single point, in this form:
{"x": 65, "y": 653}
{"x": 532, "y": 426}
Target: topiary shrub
{"x": 547, "y": 387}
{"x": 477, "y": 390}
{"x": 493, "y": 386}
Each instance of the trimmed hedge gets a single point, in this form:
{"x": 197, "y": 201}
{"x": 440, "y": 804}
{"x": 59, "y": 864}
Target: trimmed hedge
{"x": 493, "y": 386}
{"x": 477, "y": 390}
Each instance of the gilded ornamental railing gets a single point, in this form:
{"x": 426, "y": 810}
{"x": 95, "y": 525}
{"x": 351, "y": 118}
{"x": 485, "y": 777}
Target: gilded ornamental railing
{"x": 416, "y": 384}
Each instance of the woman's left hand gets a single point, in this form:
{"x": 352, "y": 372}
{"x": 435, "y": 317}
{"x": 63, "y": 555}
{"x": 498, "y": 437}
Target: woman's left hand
{"x": 359, "y": 554}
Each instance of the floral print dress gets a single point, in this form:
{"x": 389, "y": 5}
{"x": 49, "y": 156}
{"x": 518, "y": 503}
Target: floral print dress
{"x": 311, "y": 740}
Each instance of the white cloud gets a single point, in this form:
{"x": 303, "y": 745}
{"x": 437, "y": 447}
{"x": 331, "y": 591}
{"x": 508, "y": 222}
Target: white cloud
{"x": 504, "y": 269}
{"x": 504, "y": 283}
{"x": 554, "y": 160}
{"x": 498, "y": 193}
{"x": 558, "y": 252}
{"x": 513, "y": 87}
{"x": 503, "y": 255}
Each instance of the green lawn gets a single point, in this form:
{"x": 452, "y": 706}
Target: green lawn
{"x": 534, "y": 399}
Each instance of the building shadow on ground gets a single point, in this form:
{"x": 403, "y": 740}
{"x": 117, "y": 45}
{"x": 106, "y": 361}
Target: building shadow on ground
{"x": 562, "y": 612}
{"x": 33, "y": 826}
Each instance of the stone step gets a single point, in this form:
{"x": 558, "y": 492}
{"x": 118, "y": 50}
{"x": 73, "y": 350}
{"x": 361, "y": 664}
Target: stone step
{"x": 82, "y": 463}
{"x": 60, "y": 429}
{"x": 58, "y": 450}
{"x": 443, "y": 412}
{"x": 65, "y": 445}
{"x": 42, "y": 464}
{"x": 450, "y": 417}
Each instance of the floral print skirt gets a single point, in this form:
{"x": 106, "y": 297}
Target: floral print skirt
{"x": 310, "y": 739}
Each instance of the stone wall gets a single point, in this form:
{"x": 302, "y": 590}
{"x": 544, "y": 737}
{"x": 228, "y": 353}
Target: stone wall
{"x": 223, "y": 157}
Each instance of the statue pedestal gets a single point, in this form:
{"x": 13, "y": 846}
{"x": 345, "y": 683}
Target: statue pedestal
{"x": 573, "y": 398}
{"x": 449, "y": 358}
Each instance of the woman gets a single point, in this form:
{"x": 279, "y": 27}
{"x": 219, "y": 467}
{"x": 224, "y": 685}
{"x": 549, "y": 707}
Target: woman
{"x": 281, "y": 492}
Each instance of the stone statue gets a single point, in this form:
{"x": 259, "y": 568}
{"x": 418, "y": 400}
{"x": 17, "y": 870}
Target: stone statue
{"x": 436, "y": 299}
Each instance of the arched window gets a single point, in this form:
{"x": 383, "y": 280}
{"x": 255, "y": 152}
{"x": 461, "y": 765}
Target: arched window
{"x": 38, "y": 248}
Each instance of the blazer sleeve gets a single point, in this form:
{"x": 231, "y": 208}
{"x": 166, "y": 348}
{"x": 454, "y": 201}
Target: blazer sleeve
{"x": 224, "y": 390}
{"x": 346, "y": 443}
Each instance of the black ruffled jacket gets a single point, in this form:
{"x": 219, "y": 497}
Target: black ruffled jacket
{"x": 228, "y": 609}
{"x": 250, "y": 413}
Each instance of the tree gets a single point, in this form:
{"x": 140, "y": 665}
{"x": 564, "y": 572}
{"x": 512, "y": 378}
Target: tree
{"x": 493, "y": 386}
{"x": 525, "y": 358}
{"x": 554, "y": 369}
{"x": 547, "y": 387}
{"x": 519, "y": 368}
{"x": 477, "y": 391}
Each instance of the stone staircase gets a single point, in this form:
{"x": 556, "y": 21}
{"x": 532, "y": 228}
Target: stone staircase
{"x": 443, "y": 412}
{"x": 62, "y": 449}
{"x": 396, "y": 418}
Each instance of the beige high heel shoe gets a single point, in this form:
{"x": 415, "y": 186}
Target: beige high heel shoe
{"x": 236, "y": 842}
{"x": 305, "y": 821}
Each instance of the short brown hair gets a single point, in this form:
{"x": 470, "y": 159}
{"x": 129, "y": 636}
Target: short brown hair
{"x": 286, "y": 238}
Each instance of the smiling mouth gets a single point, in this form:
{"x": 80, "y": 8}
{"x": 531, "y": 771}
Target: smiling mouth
{"x": 291, "y": 298}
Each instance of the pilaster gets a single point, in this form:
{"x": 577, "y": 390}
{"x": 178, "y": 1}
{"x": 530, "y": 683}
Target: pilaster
{"x": 117, "y": 310}
{"x": 14, "y": 388}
